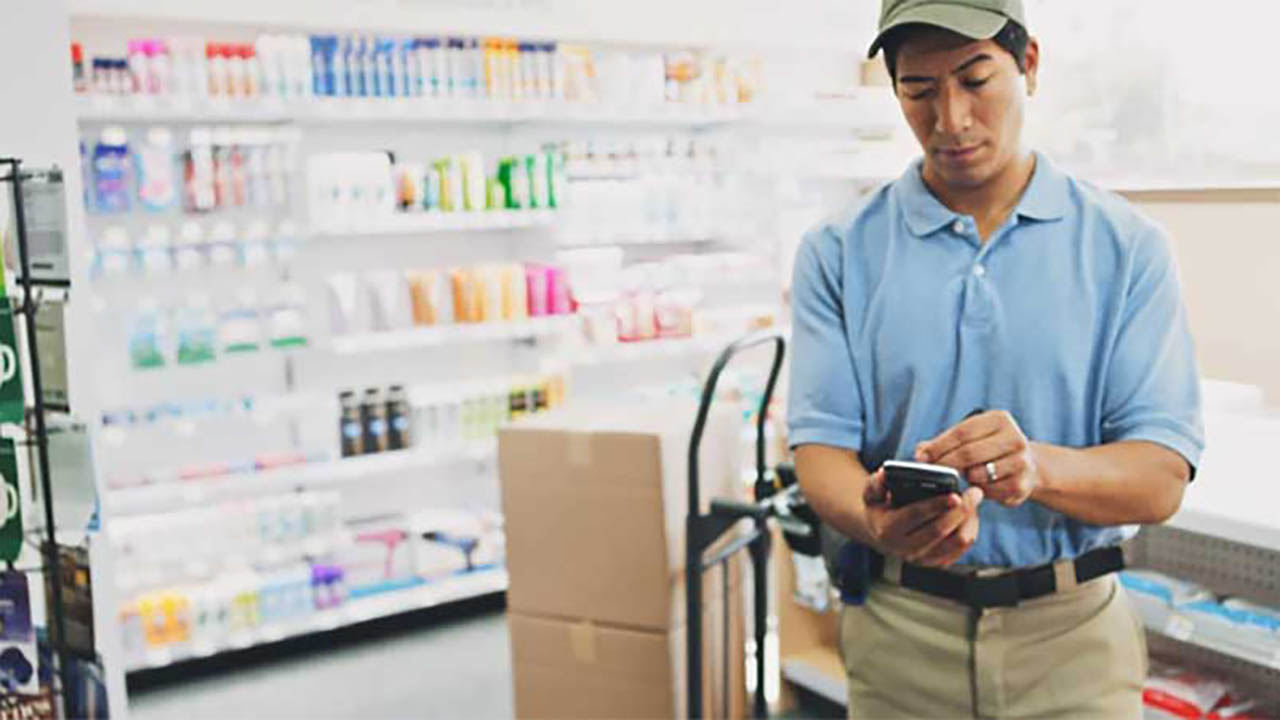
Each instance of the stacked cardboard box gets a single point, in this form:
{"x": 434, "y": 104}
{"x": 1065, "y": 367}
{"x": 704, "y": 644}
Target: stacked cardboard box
{"x": 595, "y": 500}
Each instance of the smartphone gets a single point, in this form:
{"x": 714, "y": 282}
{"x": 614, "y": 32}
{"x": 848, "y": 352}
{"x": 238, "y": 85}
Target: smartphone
{"x": 911, "y": 482}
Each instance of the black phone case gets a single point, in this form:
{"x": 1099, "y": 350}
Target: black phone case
{"x": 907, "y": 485}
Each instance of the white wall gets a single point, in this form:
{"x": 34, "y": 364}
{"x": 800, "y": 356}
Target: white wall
{"x": 1228, "y": 253}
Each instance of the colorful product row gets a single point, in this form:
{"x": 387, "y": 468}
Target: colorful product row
{"x": 394, "y": 300}
{"x": 218, "y": 169}
{"x": 289, "y": 67}
{"x": 274, "y": 66}
{"x": 198, "y": 331}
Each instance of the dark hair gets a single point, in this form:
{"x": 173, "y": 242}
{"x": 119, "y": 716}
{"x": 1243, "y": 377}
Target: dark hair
{"x": 1012, "y": 38}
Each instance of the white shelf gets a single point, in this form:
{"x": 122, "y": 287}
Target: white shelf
{"x": 1234, "y": 495}
{"x": 179, "y": 494}
{"x": 642, "y": 240}
{"x": 328, "y": 111}
{"x": 432, "y": 594}
{"x": 650, "y": 349}
{"x": 408, "y": 223}
{"x": 360, "y": 343}
{"x": 1259, "y": 648}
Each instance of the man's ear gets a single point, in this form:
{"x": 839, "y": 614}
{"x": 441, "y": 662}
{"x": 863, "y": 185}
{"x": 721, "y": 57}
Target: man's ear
{"x": 1031, "y": 65}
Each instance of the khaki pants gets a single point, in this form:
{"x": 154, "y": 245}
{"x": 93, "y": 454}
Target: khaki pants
{"x": 1079, "y": 653}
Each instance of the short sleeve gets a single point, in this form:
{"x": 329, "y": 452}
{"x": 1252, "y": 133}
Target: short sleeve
{"x": 825, "y": 402}
{"x": 1152, "y": 389}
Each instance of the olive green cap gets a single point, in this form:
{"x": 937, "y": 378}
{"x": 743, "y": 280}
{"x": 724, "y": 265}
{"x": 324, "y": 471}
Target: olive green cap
{"x": 976, "y": 19}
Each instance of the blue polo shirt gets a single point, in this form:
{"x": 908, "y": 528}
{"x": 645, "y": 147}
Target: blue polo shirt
{"x": 1069, "y": 317}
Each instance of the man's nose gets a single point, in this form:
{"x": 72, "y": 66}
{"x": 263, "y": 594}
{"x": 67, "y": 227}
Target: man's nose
{"x": 952, "y": 113}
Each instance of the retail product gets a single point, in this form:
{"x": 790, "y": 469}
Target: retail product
{"x": 398, "y": 413}
{"x": 111, "y": 176}
{"x": 349, "y": 431}
{"x": 155, "y": 251}
{"x": 373, "y": 422}
{"x": 1181, "y": 692}
{"x": 195, "y": 330}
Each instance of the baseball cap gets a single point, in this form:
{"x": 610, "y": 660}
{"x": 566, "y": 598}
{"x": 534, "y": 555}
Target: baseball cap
{"x": 976, "y": 19}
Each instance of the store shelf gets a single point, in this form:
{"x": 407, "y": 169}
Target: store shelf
{"x": 175, "y": 495}
{"x": 818, "y": 671}
{"x": 450, "y": 335}
{"x": 431, "y": 594}
{"x": 624, "y": 352}
{"x": 431, "y": 222}
{"x": 145, "y": 109}
{"x": 643, "y": 240}
{"x": 1259, "y": 648}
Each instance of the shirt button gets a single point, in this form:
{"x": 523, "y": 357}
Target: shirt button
{"x": 979, "y": 271}
{"x": 958, "y": 227}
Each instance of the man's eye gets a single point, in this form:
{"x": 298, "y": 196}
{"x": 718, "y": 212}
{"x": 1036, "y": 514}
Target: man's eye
{"x": 976, "y": 83}
{"x": 921, "y": 95}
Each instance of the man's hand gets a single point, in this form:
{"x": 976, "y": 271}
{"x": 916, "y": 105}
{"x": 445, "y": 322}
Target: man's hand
{"x": 933, "y": 532}
{"x": 992, "y": 437}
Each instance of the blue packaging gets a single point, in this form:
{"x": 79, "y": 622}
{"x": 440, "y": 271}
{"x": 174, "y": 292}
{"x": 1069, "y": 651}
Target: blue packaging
{"x": 369, "y": 50}
{"x": 317, "y": 66}
{"x": 341, "y": 69}
{"x": 406, "y": 68}
{"x": 387, "y": 67}
{"x": 111, "y": 172}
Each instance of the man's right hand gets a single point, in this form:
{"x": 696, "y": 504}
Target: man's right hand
{"x": 933, "y": 532}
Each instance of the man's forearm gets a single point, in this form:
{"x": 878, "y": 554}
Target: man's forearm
{"x": 833, "y": 480}
{"x": 1114, "y": 484}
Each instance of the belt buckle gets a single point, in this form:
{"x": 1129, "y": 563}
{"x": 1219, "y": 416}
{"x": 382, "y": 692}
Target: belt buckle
{"x": 997, "y": 591}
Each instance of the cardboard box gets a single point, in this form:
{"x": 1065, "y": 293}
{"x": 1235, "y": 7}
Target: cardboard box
{"x": 595, "y": 497}
{"x": 579, "y": 669}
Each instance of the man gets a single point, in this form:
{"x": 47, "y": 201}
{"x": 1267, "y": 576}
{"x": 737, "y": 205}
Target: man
{"x": 989, "y": 313}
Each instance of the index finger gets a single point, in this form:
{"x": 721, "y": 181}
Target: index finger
{"x": 962, "y": 433}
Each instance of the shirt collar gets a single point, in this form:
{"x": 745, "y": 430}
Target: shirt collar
{"x": 1046, "y": 198}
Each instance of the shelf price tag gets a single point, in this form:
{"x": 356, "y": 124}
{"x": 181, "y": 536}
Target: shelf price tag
{"x": 1179, "y": 628}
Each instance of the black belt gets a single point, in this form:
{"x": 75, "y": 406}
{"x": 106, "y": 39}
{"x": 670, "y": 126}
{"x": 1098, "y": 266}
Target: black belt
{"x": 1008, "y": 589}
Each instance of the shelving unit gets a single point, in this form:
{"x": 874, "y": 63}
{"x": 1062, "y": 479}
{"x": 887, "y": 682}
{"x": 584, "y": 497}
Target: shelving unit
{"x": 423, "y": 337}
{"x": 149, "y": 499}
{"x": 353, "y": 612}
{"x": 436, "y": 222}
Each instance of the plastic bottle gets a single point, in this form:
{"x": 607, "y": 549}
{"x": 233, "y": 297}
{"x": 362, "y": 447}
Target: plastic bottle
{"x": 157, "y": 183}
{"x": 342, "y": 79}
{"x": 373, "y": 422}
{"x": 397, "y": 418}
{"x": 387, "y": 68}
{"x": 161, "y": 68}
{"x": 475, "y": 68}
{"x": 473, "y": 178}
{"x": 136, "y": 55}
{"x": 199, "y": 180}
{"x": 111, "y": 171}
{"x": 438, "y": 67}
{"x": 318, "y": 66}
{"x": 372, "y": 81}
{"x": 78, "y": 81}
{"x": 216, "y": 65}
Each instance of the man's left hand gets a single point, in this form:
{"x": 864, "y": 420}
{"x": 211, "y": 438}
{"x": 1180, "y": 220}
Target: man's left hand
{"x": 991, "y": 437}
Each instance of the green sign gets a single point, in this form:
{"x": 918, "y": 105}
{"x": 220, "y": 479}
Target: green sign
{"x": 10, "y": 503}
{"x": 12, "y": 401}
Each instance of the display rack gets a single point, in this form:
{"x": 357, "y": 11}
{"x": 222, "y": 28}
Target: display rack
{"x": 163, "y": 497}
{"x": 34, "y": 422}
{"x": 430, "y": 594}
